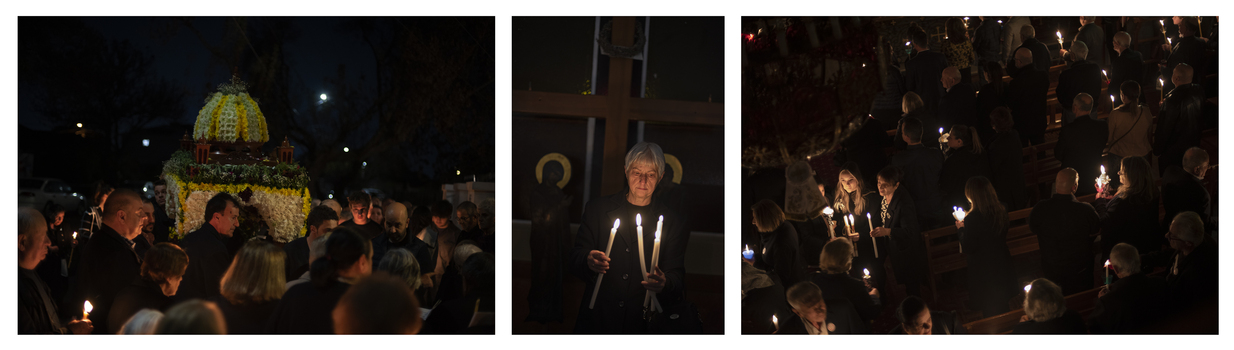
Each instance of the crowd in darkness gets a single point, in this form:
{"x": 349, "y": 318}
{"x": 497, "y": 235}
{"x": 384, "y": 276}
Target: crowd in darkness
{"x": 381, "y": 267}
{"x": 1153, "y": 223}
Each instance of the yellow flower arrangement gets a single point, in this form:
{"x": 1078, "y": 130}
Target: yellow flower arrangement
{"x": 231, "y": 115}
{"x": 284, "y": 209}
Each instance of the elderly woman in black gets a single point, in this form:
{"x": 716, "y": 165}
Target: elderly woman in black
{"x": 854, "y": 196}
{"x": 1046, "y": 312}
{"x": 778, "y": 243}
{"x": 1130, "y": 214}
{"x": 619, "y": 302}
{"x": 983, "y": 239}
{"x": 899, "y": 221}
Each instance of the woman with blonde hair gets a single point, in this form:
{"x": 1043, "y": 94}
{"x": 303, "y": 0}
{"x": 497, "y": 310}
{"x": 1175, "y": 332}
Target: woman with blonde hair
{"x": 854, "y": 196}
{"x": 983, "y": 239}
{"x": 778, "y": 243}
{"x": 252, "y": 287}
{"x": 834, "y": 280}
{"x": 1130, "y": 213}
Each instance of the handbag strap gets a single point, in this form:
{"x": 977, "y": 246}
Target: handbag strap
{"x": 1129, "y": 130}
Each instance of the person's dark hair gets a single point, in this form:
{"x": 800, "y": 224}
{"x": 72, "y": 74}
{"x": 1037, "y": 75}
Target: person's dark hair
{"x": 955, "y": 30}
{"x": 442, "y": 209}
{"x": 344, "y": 248}
{"x": 767, "y": 215}
{"x": 1001, "y": 120}
{"x": 1131, "y": 90}
{"x": 378, "y": 304}
{"x": 890, "y": 174}
{"x": 163, "y": 261}
{"x": 981, "y": 193}
{"x": 909, "y": 309}
{"x": 50, "y": 210}
{"x": 160, "y": 182}
{"x": 1191, "y": 23}
{"x": 995, "y": 70}
{"x": 318, "y": 215}
{"x": 912, "y": 128}
{"x": 100, "y": 188}
{"x": 918, "y": 35}
{"x": 218, "y": 204}
{"x": 360, "y": 198}
{"x": 968, "y": 135}
{"x": 478, "y": 275}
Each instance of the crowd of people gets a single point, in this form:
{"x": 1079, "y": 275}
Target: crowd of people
{"x": 382, "y": 267}
{"x": 1154, "y": 224}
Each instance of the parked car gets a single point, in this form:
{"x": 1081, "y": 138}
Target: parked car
{"x": 35, "y": 192}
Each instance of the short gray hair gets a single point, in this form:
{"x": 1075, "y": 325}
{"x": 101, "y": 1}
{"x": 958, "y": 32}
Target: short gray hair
{"x": 1191, "y": 227}
{"x": 1044, "y": 301}
{"x": 647, "y": 152}
{"x": 1079, "y": 49}
{"x": 464, "y": 251}
{"x": 401, "y": 263}
{"x": 142, "y": 322}
{"x": 1123, "y": 38}
{"x": 803, "y": 295}
{"x": 28, "y": 221}
{"x": 1126, "y": 258}
{"x": 1084, "y": 101}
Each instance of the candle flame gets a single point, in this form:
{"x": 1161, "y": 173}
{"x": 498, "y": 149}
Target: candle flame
{"x": 616, "y": 223}
{"x": 867, "y": 271}
{"x": 1169, "y": 41}
{"x": 661, "y": 217}
{"x": 638, "y": 219}
{"x": 907, "y": 43}
{"x": 1103, "y": 169}
{"x": 1028, "y": 287}
{"x": 1059, "y": 34}
{"x": 1111, "y": 98}
{"x": 87, "y": 307}
{"x": 775, "y": 320}
{"x": 750, "y": 37}
{"x": 1107, "y": 262}
{"x": 828, "y": 211}
{"x": 940, "y": 130}
{"x": 74, "y": 234}
{"x": 747, "y": 247}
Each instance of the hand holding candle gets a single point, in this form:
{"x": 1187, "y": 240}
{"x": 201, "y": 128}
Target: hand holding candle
{"x": 85, "y": 310}
{"x": 599, "y": 278}
{"x": 831, "y": 223}
{"x": 1060, "y": 38}
{"x": 747, "y": 254}
{"x": 1107, "y": 271}
{"x": 775, "y": 322}
{"x": 1102, "y": 180}
{"x": 958, "y": 213}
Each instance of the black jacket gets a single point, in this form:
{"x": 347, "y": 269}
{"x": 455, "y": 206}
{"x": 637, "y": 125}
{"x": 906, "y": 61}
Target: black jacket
{"x": 961, "y": 164}
{"x": 921, "y": 75}
{"x": 1082, "y": 76}
{"x": 618, "y": 307}
{"x": 921, "y": 167}
{"x": 781, "y": 255}
{"x": 866, "y": 148}
{"x": 1132, "y": 306}
{"x": 1079, "y": 147}
{"x": 991, "y": 278}
{"x": 987, "y": 100}
{"x": 36, "y": 312}
{"x": 108, "y": 265}
{"x": 1041, "y": 56}
{"x": 1181, "y": 191}
{"x": 247, "y": 318}
{"x": 450, "y": 317}
{"x": 843, "y": 286}
{"x": 1094, "y": 37}
{"x": 1065, "y": 229}
{"x": 1189, "y": 50}
{"x": 945, "y": 323}
{"x": 297, "y": 261}
{"x": 306, "y": 309}
{"x": 1178, "y": 124}
{"x": 370, "y": 229}
{"x": 1132, "y": 221}
{"x": 208, "y": 261}
{"x": 425, "y": 255}
{"x": 812, "y": 235}
{"x": 958, "y": 106}
{"x": 1007, "y": 169}
{"x": 1196, "y": 281}
{"x": 906, "y": 249}
{"x": 986, "y": 41}
{"x": 1128, "y": 66}
{"x": 1069, "y": 323}
{"x": 1026, "y": 97}
{"x": 759, "y": 305}
{"x": 142, "y": 294}
{"x": 839, "y": 312}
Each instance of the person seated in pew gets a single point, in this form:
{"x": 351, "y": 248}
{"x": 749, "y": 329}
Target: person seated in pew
{"x": 905, "y": 248}
{"x": 983, "y": 239}
{"x": 1007, "y": 161}
{"x": 835, "y": 262}
{"x": 812, "y": 316}
{"x": 965, "y": 160}
{"x": 1046, "y": 312}
{"x": 1080, "y": 142}
{"x": 1065, "y": 228}
{"x": 1130, "y": 214}
{"x": 916, "y": 318}
{"x": 1132, "y": 304}
{"x": 1192, "y": 279}
{"x": 1182, "y": 189}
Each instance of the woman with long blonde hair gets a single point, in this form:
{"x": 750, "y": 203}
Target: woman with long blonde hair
{"x": 1129, "y": 215}
{"x": 853, "y": 197}
{"x": 983, "y": 239}
{"x": 252, "y": 287}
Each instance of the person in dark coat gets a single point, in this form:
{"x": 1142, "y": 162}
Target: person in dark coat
{"x": 1132, "y": 304}
{"x": 619, "y": 302}
{"x": 921, "y": 167}
{"x": 207, "y": 248}
{"x": 1038, "y": 55}
{"x": 1093, "y": 38}
{"x": 1191, "y": 282}
{"x": 162, "y": 222}
{"x": 321, "y": 219}
{"x": 1026, "y": 97}
{"x": 1130, "y": 214}
{"x": 252, "y": 287}
{"x": 1186, "y": 49}
{"x": 780, "y": 253}
{"x": 468, "y": 215}
{"x": 378, "y": 304}
{"x": 361, "y": 204}
{"x": 145, "y": 240}
{"x": 109, "y": 263}
{"x": 906, "y": 248}
{"x": 307, "y": 308}
{"x": 1178, "y": 124}
{"x": 162, "y": 269}
{"x": 983, "y": 239}
{"x": 453, "y": 316}
{"x": 965, "y": 160}
{"x": 1083, "y": 76}
{"x": 396, "y": 236}
{"x": 36, "y": 312}
{"x": 923, "y": 72}
{"x": 1128, "y": 64}
{"x": 854, "y": 196}
{"x": 835, "y": 282}
{"x": 1046, "y": 312}
{"x": 987, "y": 45}
{"x": 958, "y": 105}
{"x": 1065, "y": 229}
{"x": 992, "y": 95}
{"x": 762, "y": 297}
{"x": 1007, "y": 161}
{"x": 916, "y": 318}
{"x": 913, "y": 108}
{"x": 1080, "y": 143}
{"x": 1182, "y": 189}
{"x": 814, "y": 315}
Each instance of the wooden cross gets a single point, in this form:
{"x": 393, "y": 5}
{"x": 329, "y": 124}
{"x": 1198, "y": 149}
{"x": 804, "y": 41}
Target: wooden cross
{"x": 618, "y": 108}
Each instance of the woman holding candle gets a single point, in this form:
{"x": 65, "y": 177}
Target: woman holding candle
{"x": 965, "y": 159}
{"x": 834, "y": 280}
{"x": 983, "y": 234}
{"x": 1130, "y": 129}
{"x": 905, "y": 247}
{"x": 1130, "y": 214}
{"x": 853, "y": 197}
{"x": 619, "y": 299}
{"x": 780, "y": 254}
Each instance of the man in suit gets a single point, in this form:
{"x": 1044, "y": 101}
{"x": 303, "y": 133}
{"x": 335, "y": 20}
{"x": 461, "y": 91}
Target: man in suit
{"x": 1080, "y": 143}
{"x": 1093, "y": 37}
{"x": 109, "y": 262}
{"x": 958, "y": 104}
{"x": 321, "y": 219}
{"x": 921, "y": 166}
{"x": 1083, "y": 76}
{"x": 1127, "y": 65}
{"x": 1026, "y": 95}
{"x": 922, "y": 75}
{"x": 1038, "y": 52}
{"x": 1187, "y": 48}
{"x": 207, "y": 249}
{"x": 1065, "y": 228}
{"x": 1191, "y": 285}
{"x": 1133, "y": 303}
{"x": 1182, "y": 189}
{"x": 1178, "y": 124}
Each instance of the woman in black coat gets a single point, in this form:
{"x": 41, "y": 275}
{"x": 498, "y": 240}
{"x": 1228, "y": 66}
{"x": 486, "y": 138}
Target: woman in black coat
{"x": 778, "y": 244}
{"x": 835, "y": 282}
{"x": 1130, "y": 214}
{"x": 619, "y": 302}
{"x": 906, "y": 249}
{"x": 965, "y": 160}
{"x": 761, "y": 298}
{"x": 1007, "y": 161}
{"x": 991, "y": 96}
{"x": 161, "y": 271}
{"x": 983, "y": 239}
{"x": 852, "y": 196}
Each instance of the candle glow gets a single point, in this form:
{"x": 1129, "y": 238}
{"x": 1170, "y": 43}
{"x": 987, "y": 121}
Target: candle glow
{"x": 828, "y": 211}
{"x": 958, "y": 213}
{"x": 85, "y": 310}
{"x": 1027, "y": 288}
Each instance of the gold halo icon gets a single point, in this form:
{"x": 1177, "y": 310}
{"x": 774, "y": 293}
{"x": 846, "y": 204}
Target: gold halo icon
{"x": 565, "y": 165}
{"x": 675, "y": 164}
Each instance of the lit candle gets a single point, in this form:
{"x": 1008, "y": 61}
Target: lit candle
{"x": 74, "y": 234}
{"x": 748, "y": 254}
{"x": 958, "y": 213}
{"x": 775, "y": 322}
{"x": 1161, "y": 83}
{"x": 642, "y": 262}
{"x": 831, "y": 225}
{"x": 1103, "y": 179}
{"x": 872, "y": 240}
{"x": 1107, "y": 78}
{"x": 599, "y": 278}
{"x": 655, "y": 259}
{"x": 85, "y": 310}
{"x": 1107, "y": 271}
{"x": 1000, "y": 21}
{"x": 1060, "y": 38}
{"x": 1027, "y": 287}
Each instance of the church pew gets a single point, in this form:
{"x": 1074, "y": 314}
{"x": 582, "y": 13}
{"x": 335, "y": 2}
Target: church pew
{"x": 1082, "y": 302}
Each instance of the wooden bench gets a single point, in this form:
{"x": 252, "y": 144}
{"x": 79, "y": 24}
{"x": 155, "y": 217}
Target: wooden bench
{"x": 1082, "y": 302}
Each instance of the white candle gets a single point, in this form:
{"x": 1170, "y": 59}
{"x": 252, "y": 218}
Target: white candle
{"x": 775, "y": 322}
{"x": 642, "y": 262}
{"x": 747, "y": 253}
{"x": 86, "y": 308}
{"x": 1107, "y": 271}
{"x": 872, "y": 240}
{"x": 830, "y": 222}
{"x": 600, "y": 278}
{"x": 655, "y": 252}
{"x": 1060, "y": 38}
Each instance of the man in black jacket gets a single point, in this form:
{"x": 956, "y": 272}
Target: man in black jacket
{"x": 1026, "y": 95}
{"x": 1186, "y": 49}
{"x": 922, "y": 74}
{"x": 109, "y": 262}
{"x": 207, "y": 250}
{"x": 921, "y": 167}
{"x": 1082, "y": 77}
{"x": 958, "y": 104}
{"x": 321, "y": 219}
{"x": 395, "y": 236}
{"x": 1178, "y": 125}
{"x": 1039, "y": 54}
{"x": 1127, "y": 65}
{"x": 1065, "y": 228}
{"x": 1182, "y": 189}
{"x": 1132, "y": 304}
{"x": 1080, "y": 143}
{"x": 36, "y": 312}
{"x": 1093, "y": 38}
{"x": 1191, "y": 283}
{"x": 162, "y": 223}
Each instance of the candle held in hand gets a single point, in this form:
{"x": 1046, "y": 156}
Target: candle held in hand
{"x": 775, "y": 322}
{"x": 1107, "y": 271}
{"x": 1027, "y": 288}
{"x": 748, "y": 254}
{"x": 85, "y": 310}
{"x": 600, "y": 277}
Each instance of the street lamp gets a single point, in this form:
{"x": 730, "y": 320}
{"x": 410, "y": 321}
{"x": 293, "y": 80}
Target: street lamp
{"x": 145, "y": 142}
{"x": 345, "y": 150}
{"x": 363, "y": 163}
{"x": 323, "y": 97}
{"x": 458, "y": 172}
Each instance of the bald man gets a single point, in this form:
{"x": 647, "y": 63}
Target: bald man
{"x": 1080, "y": 143}
{"x": 1038, "y": 53}
{"x": 109, "y": 262}
{"x": 1026, "y": 97}
{"x": 394, "y": 235}
{"x": 1082, "y": 76}
{"x": 959, "y": 102}
{"x": 1179, "y": 124}
{"x": 36, "y": 310}
{"x": 1065, "y": 228}
{"x": 1182, "y": 188}
{"x": 1127, "y": 64}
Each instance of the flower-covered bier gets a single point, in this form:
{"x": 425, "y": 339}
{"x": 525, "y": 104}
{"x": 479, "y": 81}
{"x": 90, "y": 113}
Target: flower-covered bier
{"x": 231, "y": 115}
